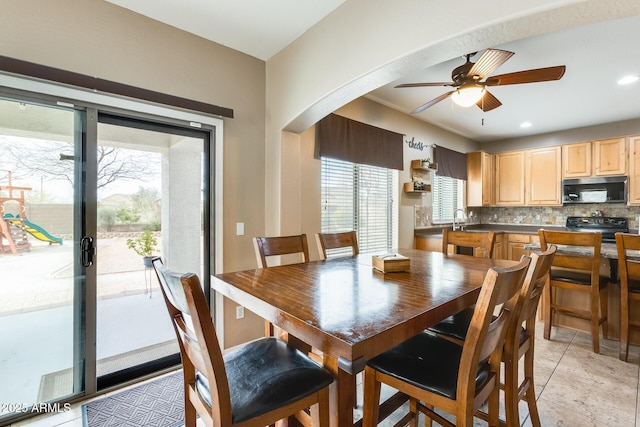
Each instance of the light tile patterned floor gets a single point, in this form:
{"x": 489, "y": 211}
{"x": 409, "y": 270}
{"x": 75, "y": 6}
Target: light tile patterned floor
{"x": 575, "y": 387}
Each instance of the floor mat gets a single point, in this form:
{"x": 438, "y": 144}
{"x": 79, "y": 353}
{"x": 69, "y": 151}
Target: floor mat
{"x": 157, "y": 403}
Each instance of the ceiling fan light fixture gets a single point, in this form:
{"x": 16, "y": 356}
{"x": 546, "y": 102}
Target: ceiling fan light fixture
{"x": 467, "y": 96}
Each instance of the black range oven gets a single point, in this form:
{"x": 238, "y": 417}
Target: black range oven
{"x": 608, "y": 226}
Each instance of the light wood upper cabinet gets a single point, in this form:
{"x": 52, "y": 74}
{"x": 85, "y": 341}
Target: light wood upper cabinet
{"x": 576, "y": 160}
{"x": 634, "y": 171}
{"x": 543, "y": 179}
{"x": 480, "y": 173}
{"x": 510, "y": 178}
{"x": 610, "y": 157}
{"x": 606, "y": 157}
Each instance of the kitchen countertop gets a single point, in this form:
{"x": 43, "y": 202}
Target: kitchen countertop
{"x": 495, "y": 227}
{"x": 607, "y": 250}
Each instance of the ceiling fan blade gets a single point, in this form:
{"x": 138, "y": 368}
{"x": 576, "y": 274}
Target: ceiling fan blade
{"x": 527, "y": 76}
{"x": 425, "y": 84}
{"x": 490, "y": 60}
{"x": 488, "y": 102}
{"x": 432, "y": 102}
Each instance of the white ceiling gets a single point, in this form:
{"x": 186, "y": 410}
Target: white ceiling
{"x": 596, "y": 56}
{"x": 260, "y": 28}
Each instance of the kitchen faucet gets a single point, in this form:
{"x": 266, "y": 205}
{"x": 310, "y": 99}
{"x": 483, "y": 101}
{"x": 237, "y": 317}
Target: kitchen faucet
{"x": 455, "y": 215}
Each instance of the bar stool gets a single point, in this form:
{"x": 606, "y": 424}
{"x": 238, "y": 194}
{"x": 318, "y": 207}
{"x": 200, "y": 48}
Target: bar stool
{"x": 435, "y": 372}
{"x": 576, "y": 268}
{"x": 629, "y": 272}
{"x": 519, "y": 342}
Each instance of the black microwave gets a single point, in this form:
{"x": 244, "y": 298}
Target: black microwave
{"x": 610, "y": 189}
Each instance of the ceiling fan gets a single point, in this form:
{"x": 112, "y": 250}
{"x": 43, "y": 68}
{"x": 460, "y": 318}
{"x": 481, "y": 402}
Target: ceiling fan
{"x": 471, "y": 90}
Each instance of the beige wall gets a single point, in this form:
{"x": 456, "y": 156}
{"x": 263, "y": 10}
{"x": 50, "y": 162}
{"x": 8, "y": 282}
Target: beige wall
{"x": 608, "y": 130}
{"x": 97, "y": 38}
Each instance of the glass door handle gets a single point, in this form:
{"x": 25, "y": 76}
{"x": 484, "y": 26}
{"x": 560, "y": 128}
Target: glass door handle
{"x": 87, "y": 250}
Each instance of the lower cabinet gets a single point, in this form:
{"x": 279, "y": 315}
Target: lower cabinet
{"x": 516, "y": 244}
{"x": 506, "y": 245}
{"x": 498, "y": 247}
{"x": 429, "y": 243}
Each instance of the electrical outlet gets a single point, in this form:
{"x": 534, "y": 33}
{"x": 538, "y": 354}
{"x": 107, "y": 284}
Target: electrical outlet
{"x": 239, "y": 312}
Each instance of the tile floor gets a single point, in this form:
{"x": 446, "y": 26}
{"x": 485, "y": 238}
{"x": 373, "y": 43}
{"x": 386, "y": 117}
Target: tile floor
{"x": 575, "y": 387}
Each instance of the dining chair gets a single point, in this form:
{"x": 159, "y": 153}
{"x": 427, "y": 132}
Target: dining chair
{"x": 329, "y": 241}
{"x": 437, "y": 373}
{"x": 629, "y": 273}
{"x": 576, "y": 268}
{"x": 481, "y": 242}
{"x": 281, "y": 245}
{"x": 519, "y": 341}
{"x": 256, "y": 385}
{"x": 278, "y": 246}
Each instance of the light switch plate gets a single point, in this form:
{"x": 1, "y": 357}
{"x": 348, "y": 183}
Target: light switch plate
{"x": 239, "y": 228}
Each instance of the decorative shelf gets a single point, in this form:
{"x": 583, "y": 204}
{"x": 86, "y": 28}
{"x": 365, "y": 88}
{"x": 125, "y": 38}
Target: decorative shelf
{"x": 417, "y": 166}
{"x": 408, "y": 188}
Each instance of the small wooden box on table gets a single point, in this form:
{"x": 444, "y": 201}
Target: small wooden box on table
{"x": 390, "y": 263}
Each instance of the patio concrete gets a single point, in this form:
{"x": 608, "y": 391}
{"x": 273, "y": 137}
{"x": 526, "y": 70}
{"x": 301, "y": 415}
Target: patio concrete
{"x": 36, "y": 325}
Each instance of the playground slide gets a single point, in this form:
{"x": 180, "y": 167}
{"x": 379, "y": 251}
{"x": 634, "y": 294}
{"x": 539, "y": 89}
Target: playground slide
{"x": 34, "y": 229}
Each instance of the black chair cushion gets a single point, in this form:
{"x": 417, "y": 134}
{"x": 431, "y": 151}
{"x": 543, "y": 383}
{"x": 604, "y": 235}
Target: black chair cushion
{"x": 428, "y": 362}
{"x": 576, "y": 277}
{"x": 454, "y": 326}
{"x": 265, "y": 375}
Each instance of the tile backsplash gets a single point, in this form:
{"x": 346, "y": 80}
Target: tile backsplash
{"x": 550, "y": 215}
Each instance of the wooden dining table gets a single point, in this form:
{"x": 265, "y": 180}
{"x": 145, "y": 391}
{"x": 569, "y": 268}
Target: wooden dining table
{"x": 352, "y": 312}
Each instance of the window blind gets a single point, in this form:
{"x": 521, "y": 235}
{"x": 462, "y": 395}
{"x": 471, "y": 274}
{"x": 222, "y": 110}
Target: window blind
{"x": 448, "y": 196}
{"x": 357, "y": 197}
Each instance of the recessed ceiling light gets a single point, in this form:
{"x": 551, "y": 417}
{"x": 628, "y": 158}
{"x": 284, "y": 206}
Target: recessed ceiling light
{"x": 526, "y": 125}
{"x": 627, "y": 79}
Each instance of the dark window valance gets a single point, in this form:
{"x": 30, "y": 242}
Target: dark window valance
{"x": 340, "y": 138}
{"x": 96, "y": 84}
{"x": 451, "y": 163}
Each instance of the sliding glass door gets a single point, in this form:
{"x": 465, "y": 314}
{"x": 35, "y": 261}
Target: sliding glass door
{"x": 151, "y": 186}
{"x": 86, "y": 193}
{"x": 42, "y": 324}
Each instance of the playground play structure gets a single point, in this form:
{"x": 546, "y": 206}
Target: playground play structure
{"x": 14, "y": 228}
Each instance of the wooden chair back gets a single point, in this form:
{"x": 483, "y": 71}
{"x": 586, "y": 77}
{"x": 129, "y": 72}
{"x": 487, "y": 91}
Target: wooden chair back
{"x": 199, "y": 346}
{"x": 283, "y": 245}
{"x": 329, "y": 241}
{"x": 534, "y": 284}
{"x": 481, "y": 241}
{"x": 488, "y": 329}
{"x": 587, "y": 259}
{"x": 629, "y": 273}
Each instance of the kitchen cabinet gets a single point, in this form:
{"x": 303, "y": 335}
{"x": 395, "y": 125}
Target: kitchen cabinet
{"x": 576, "y": 160}
{"x": 543, "y": 180}
{"x": 634, "y": 171}
{"x": 606, "y": 157}
{"x": 510, "y": 178}
{"x": 480, "y": 176}
{"x": 610, "y": 156}
{"x": 422, "y": 173}
{"x": 516, "y": 244}
{"x": 429, "y": 243}
{"x": 498, "y": 247}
